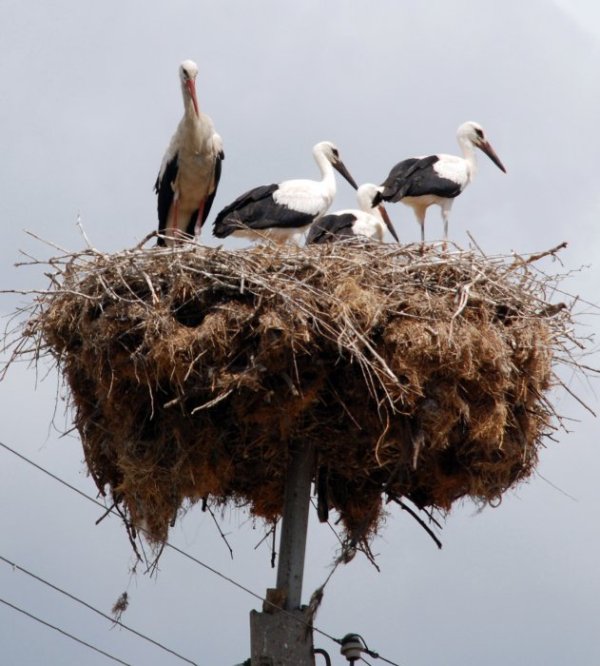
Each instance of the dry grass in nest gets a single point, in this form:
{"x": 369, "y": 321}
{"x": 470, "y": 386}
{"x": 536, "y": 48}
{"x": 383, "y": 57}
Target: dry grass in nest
{"x": 194, "y": 371}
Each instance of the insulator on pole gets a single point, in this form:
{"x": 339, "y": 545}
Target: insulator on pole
{"x": 352, "y": 647}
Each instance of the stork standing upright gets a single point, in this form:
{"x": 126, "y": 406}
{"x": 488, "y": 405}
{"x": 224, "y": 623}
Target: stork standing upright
{"x": 420, "y": 182}
{"x": 370, "y": 221}
{"x": 191, "y": 168}
{"x": 282, "y": 212}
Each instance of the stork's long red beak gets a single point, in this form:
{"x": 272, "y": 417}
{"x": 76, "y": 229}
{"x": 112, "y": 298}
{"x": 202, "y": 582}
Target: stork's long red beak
{"x": 388, "y": 222}
{"x": 491, "y": 153}
{"x": 191, "y": 86}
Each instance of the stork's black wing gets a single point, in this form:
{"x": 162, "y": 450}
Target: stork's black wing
{"x": 246, "y": 208}
{"x": 416, "y": 177}
{"x": 256, "y": 209}
{"x": 164, "y": 189}
{"x": 209, "y": 199}
{"x": 331, "y": 228}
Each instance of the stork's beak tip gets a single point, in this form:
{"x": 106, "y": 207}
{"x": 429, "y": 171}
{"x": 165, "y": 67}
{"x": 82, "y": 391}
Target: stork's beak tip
{"x": 388, "y": 222}
{"x": 491, "y": 153}
{"x": 340, "y": 167}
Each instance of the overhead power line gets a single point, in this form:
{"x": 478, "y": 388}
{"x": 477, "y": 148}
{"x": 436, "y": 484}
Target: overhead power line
{"x": 170, "y": 545}
{"x": 63, "y": 632}
{"x": 47, "y": 472}
{"x": 371, "y": 653}
{"x": 99, "y": 612}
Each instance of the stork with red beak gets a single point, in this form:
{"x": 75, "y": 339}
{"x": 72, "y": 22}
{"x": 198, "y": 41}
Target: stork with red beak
{"x": 191, "y": 168}
{"x": 438, "y": 179}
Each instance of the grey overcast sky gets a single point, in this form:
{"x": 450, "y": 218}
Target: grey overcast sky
{"x": 89, "y": 97}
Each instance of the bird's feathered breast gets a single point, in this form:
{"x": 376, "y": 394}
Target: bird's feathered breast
{"x": 193, "y": 141}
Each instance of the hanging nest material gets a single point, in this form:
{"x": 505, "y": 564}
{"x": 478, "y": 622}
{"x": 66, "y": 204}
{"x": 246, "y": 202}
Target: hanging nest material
{"x": 194, "y": 371}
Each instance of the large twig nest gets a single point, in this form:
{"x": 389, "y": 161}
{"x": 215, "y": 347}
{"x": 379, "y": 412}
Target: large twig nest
{"x": 194, "y": 371}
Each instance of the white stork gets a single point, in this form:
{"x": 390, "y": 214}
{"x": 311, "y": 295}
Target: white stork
{"x": 191, "y": 168}
{"x": 420, "y": 182}
{"x": 282, "y": 212}
{"x": 370, "y": 221}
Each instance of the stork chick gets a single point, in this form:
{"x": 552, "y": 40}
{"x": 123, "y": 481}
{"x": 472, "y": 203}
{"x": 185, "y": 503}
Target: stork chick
{"x": 369, "y": 221}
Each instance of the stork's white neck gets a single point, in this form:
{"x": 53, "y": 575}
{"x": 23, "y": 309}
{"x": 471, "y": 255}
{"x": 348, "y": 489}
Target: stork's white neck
{"x": 468, "y": 151}
{"x": 327, "y": 174}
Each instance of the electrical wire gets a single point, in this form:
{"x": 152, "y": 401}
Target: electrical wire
{"x": 175, "y": 548}
{"x": 99, "y": 612}
{"x": 254, "y": 594}
{"x": 111, "y": 511}
{"x": 64, "y": 633}
{"x": 56, "y": 478}
{"x": 324, "y": 654}
{"x": 374, "y": 654}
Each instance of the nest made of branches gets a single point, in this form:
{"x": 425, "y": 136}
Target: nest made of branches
{"x": 194, "y": 372}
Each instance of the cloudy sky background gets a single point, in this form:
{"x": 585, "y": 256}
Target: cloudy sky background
{"x": 89, "y": 97}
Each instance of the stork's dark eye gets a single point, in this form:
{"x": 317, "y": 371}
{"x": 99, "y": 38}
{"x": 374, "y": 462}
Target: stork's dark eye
{"x": 479, "y": 132}
{"x": 335, "y": 152}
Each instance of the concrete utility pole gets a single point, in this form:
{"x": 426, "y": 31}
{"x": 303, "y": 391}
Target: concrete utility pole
{"x": 278, "y": 638}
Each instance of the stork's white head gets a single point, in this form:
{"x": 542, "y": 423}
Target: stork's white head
{"x": 472, "y": 133}
{"x": 328, "y": 150}
{"x": 188, "y": 70}
{"x": 365, "y": 196}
